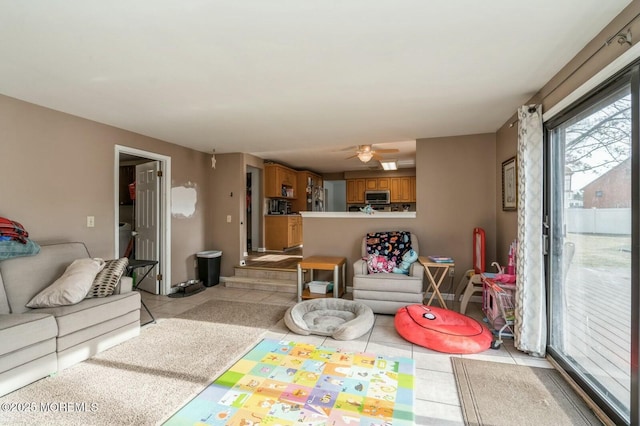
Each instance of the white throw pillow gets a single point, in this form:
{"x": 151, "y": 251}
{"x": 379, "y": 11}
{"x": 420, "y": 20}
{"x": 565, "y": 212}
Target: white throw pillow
{"x": 71, "y": 287}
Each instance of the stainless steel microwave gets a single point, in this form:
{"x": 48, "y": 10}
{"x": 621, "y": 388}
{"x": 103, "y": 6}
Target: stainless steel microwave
{"x": 377, "y": 197}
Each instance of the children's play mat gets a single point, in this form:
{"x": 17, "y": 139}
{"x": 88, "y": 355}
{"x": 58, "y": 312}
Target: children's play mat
{"x": 289, "y": 383}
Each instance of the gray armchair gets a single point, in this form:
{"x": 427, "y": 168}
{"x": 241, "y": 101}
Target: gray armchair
{"x": 386, "y": 293}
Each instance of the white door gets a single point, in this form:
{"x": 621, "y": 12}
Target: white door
{"x": 147, "y": 211}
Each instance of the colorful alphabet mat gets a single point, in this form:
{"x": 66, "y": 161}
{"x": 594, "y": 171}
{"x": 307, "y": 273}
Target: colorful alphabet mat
{"x": 288, "y": 383}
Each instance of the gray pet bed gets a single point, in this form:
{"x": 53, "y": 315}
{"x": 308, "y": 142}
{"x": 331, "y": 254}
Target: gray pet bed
{"x": 338, "y": 318}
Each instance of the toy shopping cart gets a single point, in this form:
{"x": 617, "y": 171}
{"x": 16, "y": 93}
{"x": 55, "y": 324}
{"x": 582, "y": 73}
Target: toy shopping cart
{"x": 498, "y": 306}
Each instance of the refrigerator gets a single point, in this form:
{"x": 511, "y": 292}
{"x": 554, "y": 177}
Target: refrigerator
{"x": 315, "y": 195}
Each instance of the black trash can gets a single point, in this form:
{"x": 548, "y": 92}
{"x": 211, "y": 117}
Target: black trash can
{"x": 209, "y": 267}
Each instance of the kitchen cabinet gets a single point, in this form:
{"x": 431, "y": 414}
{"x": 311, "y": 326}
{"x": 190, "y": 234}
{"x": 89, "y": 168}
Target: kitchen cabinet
{"x": 401, "y": 189}
{"x": 282, "y": 232}
{"x": 383, "y": 184}
{"x": 355, "y": 191}
{"x": 412, "y": 189}
{"x": 307, "y": 182}
{"x": 280, "y": 182}
{"x": 377, "y": 184}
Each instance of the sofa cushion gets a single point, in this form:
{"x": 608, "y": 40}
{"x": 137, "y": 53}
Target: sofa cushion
{"x": 107, "y": 280}
{"x": 18, "y": 331}
{"x": 71, "y": 287}
{"x": 89, "y": 312}
{"x": 24, "y": 277}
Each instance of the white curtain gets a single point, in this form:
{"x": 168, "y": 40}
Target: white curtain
{"x": 531, "y": 317}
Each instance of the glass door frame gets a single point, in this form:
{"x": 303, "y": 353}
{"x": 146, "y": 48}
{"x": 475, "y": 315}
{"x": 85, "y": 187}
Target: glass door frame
{"x": 628, "y": 76}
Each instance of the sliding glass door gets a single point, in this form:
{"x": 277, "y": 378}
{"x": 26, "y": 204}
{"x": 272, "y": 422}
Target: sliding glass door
{"x": 589, "y": 266}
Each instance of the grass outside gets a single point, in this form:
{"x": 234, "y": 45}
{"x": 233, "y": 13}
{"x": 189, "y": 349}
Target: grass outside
{"x": 601, "y": 251}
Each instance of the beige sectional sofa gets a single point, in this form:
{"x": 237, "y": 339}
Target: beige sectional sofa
{"x": 35, "y": 343}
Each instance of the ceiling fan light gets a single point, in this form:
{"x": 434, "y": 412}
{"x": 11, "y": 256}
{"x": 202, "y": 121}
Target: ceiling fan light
{"x": 365, "y": 156}
{"x": 389, "y": 164}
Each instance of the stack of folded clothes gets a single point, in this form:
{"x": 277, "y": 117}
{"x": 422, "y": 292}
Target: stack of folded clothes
{"x": 14, "y": 240}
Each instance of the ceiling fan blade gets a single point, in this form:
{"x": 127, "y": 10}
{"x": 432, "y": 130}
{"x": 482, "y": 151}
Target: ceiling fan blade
{"x": 377, "y": 157}
{"x": 387, "y": 151}
{"x": 352, "y": 156}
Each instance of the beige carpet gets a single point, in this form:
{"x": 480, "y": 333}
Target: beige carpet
{"x": 145, "y": 380}
{"x": 497, "y": 394}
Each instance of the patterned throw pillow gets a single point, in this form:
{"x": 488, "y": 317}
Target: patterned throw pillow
{"x": 376, "y": 263}
{"x": 107, "y": 280}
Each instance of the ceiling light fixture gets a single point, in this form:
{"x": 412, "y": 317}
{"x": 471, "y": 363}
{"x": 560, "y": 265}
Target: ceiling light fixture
{"x": 389, "y": 164}
{"x": 365, "y": 156}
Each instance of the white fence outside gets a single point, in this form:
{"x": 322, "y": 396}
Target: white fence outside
{"x": 599, "y": 221}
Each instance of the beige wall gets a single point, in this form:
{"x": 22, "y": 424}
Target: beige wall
{"x": 454, "y": 195}
{"x": 588, "y": 62}
{"x": 57, "y": 169}
{"x": 228, "y": 192}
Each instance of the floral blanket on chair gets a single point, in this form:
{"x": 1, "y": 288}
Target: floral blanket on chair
{"x": 385, "y": 250}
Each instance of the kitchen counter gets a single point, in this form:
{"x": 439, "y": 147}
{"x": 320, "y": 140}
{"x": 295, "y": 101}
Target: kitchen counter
{"x": 361, "y": 215}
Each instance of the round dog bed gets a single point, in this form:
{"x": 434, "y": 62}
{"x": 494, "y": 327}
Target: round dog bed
{"x": 442, "y": 330}
{"x": 338, "y": 318}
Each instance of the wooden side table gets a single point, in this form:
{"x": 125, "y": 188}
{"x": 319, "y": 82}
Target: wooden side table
{"x": 435, "y": 275}
{"x": 323, "y": 263}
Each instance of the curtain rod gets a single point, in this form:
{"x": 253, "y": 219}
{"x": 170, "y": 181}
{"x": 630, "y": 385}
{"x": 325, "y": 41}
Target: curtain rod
{"x": 623, "y": 38}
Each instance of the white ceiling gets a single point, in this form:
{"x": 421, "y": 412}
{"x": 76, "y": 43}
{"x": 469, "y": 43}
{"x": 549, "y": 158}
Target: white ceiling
{"x": 292, "y": 80}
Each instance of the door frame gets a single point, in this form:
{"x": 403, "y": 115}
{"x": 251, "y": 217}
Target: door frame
{"x": 164, "y": 211}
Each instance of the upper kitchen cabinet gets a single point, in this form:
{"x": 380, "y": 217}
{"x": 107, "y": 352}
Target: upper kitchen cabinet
{"x": 377, "y": 184}
{"x": 401, "y": 189}
{"x": 308, "y": 198}
{"x": 280, "y": 182}
{"x": 355, "y": 191}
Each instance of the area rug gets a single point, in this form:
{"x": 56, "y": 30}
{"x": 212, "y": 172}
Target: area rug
{"x": 289, "y": 383}
{"x": 493, "y": 393}
{"x": 146, "y": 379}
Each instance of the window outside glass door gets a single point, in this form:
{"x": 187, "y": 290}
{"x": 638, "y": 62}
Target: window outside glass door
{"x": 589, "y": 263}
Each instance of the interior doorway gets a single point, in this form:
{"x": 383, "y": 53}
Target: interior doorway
{"x": 253, "y": 217}
{"x": 142, "y": 219}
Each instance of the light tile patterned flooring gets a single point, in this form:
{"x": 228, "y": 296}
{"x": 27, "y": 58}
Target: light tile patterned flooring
{"x": 437, "y": 400}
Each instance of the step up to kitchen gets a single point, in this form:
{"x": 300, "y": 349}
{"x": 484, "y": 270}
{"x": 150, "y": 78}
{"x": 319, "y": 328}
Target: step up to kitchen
{"x": 266, "y": 284}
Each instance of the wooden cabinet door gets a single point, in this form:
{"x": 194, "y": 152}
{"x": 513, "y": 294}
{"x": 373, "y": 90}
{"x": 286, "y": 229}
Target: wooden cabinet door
{"x": 401, "y": 189}
{"x": 383, "y": 184}
{"x": 412, "y": 189}
{"x": 371, "y": 184}
{"x": 271, "y": 186}
{"x": 405, "y": 189}
{"x": 355, "y": 191}
{"x": 395, "y": 190}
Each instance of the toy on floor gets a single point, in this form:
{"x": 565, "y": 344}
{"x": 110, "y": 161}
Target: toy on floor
{"x": 442, "y": 330}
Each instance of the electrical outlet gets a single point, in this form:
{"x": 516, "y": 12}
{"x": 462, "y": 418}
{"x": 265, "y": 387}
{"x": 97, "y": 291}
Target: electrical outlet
{"x": 228, "y": 218}
{"x": 452, "y": 272}
{"x": 91, "y": 221}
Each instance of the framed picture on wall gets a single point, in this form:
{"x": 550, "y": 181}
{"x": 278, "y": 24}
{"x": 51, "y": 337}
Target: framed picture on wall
{"x": 509, "y": 185}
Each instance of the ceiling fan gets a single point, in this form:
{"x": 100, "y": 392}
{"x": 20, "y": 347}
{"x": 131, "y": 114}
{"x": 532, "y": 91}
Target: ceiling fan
{"x": 366, "y": 153}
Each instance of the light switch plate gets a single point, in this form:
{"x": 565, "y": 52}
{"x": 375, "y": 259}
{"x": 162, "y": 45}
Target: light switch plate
{"x": 91, "y": 221}
{"x": 228, "y": 218}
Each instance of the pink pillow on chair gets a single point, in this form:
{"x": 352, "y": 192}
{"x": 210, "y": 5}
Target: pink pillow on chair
{"x": 377, "y": 263}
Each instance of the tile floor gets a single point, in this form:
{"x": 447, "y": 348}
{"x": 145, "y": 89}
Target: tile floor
{"x": 436, "y": 395}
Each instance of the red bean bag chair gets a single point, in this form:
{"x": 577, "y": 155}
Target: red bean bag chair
{"x": 442, "y": 330}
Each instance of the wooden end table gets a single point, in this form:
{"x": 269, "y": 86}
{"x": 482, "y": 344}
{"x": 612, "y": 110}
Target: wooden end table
{"x": 323, "y": 263}
{"x": 435, "y": 272}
